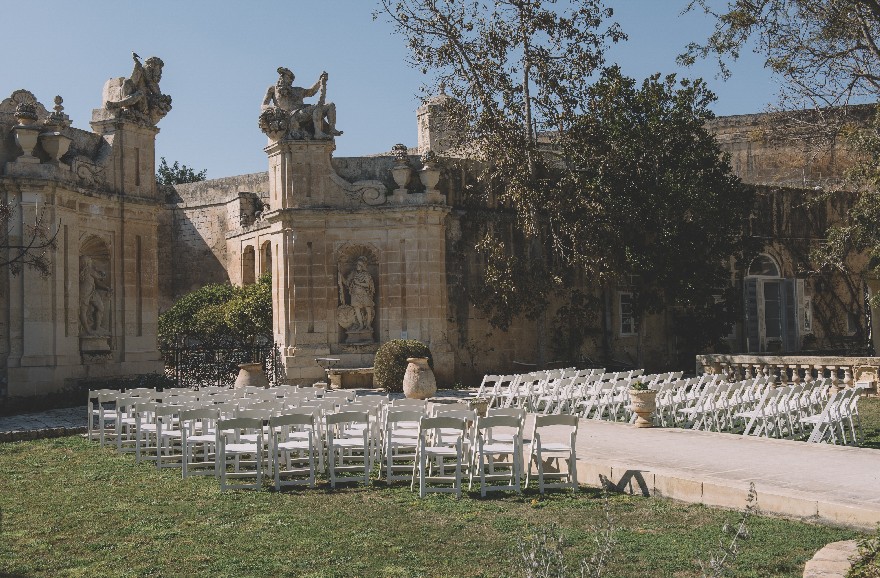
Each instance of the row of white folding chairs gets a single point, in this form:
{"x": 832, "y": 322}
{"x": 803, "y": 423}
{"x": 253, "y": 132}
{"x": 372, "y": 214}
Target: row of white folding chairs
{"x": 838, "y": 422}
{"x": 172, "y": 434}
{"x": 548, "y": 392}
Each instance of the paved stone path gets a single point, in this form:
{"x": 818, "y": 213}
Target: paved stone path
{"x": 830, "y": 483}
{"x": 50, "y": 423}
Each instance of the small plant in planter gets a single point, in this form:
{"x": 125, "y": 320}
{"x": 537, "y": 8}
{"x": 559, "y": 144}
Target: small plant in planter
{"x": 638, "y": 385}
{"x": 643, "y": 403}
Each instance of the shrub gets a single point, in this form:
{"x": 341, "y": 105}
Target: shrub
{"x": 390, "y": 363}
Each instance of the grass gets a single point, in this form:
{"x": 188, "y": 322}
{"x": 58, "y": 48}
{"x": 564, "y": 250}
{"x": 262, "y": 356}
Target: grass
{"x": 869, "y": 412}
{"x": 70, "y": 508}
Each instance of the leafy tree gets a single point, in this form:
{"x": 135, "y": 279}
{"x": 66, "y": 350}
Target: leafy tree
{"x": 828, "y": 54}
{"x": 31, "y": 248}
{"x": 514, "y": 68}
{"x": 827, "y": 51}
{"x": 590, "y": 185}
{"x": 177, "y": 174}
{"x": 220, "y": 315}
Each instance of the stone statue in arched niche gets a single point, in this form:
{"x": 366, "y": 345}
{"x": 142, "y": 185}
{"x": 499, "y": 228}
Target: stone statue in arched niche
{"x": 356, "y": 313}
{"x": 94, "y": 289}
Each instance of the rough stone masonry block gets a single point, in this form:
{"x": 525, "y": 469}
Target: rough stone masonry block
{"x": 595, "y": 474}
{"x": 725, "y": 496}
{"x": 666, "y": 486}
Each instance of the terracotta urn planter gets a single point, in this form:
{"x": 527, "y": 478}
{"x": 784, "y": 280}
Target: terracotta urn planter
{"x": 643, "y": 403}
{"x": 251, "y": 375}
{"x": 419, "y": 381}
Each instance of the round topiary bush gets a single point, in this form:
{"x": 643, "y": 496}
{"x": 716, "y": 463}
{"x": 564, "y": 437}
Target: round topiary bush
{"x": 390, "y": 363}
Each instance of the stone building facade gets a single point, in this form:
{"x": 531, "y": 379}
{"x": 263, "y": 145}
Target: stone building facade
{"x": 94, "y": 313}
{"x": 361, "y": 250}
{"x": 311, "y": 217}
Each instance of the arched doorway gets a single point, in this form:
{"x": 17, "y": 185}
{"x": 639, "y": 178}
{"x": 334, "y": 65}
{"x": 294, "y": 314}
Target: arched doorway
{"x": 771, "y": 308}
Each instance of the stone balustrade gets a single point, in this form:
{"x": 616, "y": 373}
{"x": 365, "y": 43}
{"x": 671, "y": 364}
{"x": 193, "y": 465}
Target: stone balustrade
{"x": 843, "y": 371}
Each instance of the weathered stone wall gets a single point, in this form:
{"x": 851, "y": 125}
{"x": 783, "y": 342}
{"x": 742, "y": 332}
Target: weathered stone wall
{"x": 769, "y": 149}
{"x": 201, "y": 216}
{"x": 95, "y": 313}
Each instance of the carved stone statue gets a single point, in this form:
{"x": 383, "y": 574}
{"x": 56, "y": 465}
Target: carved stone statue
{"x": 284, "y": 112}
{"x": 139, "y": 96}
{"x": 356, "y": 316}
{"x": 94, "y": 293}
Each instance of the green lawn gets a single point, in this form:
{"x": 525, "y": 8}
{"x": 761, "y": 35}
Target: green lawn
{"x": 72, "y": 509}
{"x": 869, "y": 411}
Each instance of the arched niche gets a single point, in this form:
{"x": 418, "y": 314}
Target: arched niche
{"x": 95, "y": 288}
{"x": 266, "y": 258}
{"x": 248, "y": 266}
{"x": 357, "y": 280}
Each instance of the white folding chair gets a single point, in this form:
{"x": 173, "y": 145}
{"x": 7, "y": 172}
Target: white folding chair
{"x": 498, "y": 453}
{"x": 348, "y": 453}
{"x": 292, "y": 448}
{"x": 199, "y": 432}
{"x": 400, "y": 442}
{"x": 233, "y": 441}
{"x": 541, "y": 450}
{"x": 439, "y": 448}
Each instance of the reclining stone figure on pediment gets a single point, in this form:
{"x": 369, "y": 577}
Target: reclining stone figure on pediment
{"x": 138, "y": 97}
{"x": 285, "y": 114}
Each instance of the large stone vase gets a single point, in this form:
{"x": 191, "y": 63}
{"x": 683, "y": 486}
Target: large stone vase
{"x": 419, "y": 381}
{"x": 643, "y": 403}
{"x": 251, "y": 375}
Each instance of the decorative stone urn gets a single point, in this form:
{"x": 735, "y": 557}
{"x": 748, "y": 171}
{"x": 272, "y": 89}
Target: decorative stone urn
{"x": 643, "y": 403}
{"x": 55, "y": 144}
{"x": 251, "y": 375}
{"x": 419, "y": 381}
{"x": 26, "y": 137}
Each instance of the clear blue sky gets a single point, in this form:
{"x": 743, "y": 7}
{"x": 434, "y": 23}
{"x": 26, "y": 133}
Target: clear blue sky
{"x": 220, "y": 56}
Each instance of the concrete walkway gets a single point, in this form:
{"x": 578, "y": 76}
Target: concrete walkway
{"x": 834, "y": 484}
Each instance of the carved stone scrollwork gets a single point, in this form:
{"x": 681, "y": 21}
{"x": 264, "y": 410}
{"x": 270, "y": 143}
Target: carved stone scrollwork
{"x": 367, "y": 192}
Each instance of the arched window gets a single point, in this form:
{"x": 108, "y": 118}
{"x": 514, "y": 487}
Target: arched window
{"x": 266, "y": 258}
{"x": 248, "y": 266}
{"x": 763, "y": 266}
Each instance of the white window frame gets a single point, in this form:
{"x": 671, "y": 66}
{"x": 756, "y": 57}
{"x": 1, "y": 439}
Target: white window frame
{"x": 621, "y": 316}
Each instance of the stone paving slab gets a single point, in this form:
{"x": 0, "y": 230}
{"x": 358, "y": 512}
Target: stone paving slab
{"x": 830, "y": 483}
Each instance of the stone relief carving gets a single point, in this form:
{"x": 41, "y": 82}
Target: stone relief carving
{"x": 94, "y": 297}
{"x": 23, "y": 103}
{"x": 139, "y": 97}
{"x": 284, "y": 114}
{"x": 357, "y": 313}
{"x": 367, "y": 192}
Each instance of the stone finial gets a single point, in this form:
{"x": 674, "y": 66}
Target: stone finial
{"x": 57, "y": 120}
{"x": 429, "y": 158}
{"x": 26, "y": 113}
{"x": 401, "y": 153}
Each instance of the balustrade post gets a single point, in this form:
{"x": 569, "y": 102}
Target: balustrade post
{"x": 795, "y": 375}
{"x": 835, "y": 386}
{"x": 808, "y": 374}
{"x": 847, "y": 377}
{"x": 748, "y": 372}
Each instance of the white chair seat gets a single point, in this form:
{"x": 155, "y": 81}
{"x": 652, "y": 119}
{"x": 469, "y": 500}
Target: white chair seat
{"x": 239, "y": 448}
